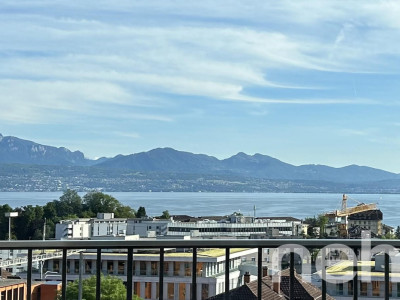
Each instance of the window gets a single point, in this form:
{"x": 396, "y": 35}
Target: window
{"x": 88, "y": 267}
{"x": 21, "y": 293}
{"x": 339, "y": 289}
{"x": 204, "y": 291}
{"x": 177, "y": 267}
{"x": 143, "y": 268}
{"x": 170, "y": 291}
{"x": 147, "y": 290}
{"x": 134, "y": 268}
{"x": 375, "y": 288}
{"x": 76, "y": 267}
{"x": 121, "y": 267}
{"x": 56, "y": 266}
{"x": 110, "y": 267}
{"x": 188, "y": 271}
{"x": 136, "y": 288}
{"x": 363, "y": 289}
{"x": 199, "y": 269}
{"x": 166, "y": 268}
{"x": 350, "y": 288}
{"x": 182, "y": 291}
{"x": 154, "y": 268}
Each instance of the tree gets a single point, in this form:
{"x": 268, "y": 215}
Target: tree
{"x": 125, "y": 212}
{"x": 98, "y": 202}
{"x": 397, "y": 233}
{"x": 322, "y": 221}
{"x": 312, "y": 223}
{"x": 4, "y": 221}
{"x": 70, "y": 203}
{"x": 141, "y": 212}
{"x": 29, "y": 223}
{"x": 112, "y": 288}
{"x": 389, "y": 236}
{"x": 165, "y": 215}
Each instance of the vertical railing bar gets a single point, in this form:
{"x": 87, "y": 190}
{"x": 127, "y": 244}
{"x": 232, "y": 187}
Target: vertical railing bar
{"x": 129, "y": 277}
{"x": 260, "y": 273}
{"x": 161, "y": 275}
{"x": 194, "y": 274}
{"x": 29, "y": 277}
{"x": 323, "y": 264}
{"x": 291, "y": 278}
{"x": 98, "y": 274}
{"x": 355, "y": 278}
{"x": 387, "y": 271}
{"x": 64, "y": 275}
{"x": 227, "y": 269}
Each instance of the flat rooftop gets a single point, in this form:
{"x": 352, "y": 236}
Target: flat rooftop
{"x": 215, "y": 252}
{"x": 9, "y": 282}
{"x": 346, "y": 268}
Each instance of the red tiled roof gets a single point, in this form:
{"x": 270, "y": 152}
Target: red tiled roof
{"x": 303, "y": 290}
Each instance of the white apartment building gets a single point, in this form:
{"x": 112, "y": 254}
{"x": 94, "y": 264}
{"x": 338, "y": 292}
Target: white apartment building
{"x": 85, "y": 228}
{"x": 147, "y": 227}
{"x": 210, "y": 271}
{"x": 240, "y": 228}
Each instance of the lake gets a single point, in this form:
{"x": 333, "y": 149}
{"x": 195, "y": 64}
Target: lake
{"x": 298, "y": 205}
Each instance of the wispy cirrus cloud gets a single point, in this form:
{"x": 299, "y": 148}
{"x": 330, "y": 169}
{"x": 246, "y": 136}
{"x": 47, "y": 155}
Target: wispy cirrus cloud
{"x": 354, "y": 132}
{"x": 132, "y": 135}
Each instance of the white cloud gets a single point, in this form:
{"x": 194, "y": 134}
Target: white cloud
{"x": 29, "y": 101}
{"x": 354, "y": 132}
{"x": 132, "y": 135}
{"x": 69, "y": 56}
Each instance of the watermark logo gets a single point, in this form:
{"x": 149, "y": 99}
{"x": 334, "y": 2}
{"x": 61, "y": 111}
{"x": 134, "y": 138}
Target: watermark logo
{"x": 338, "y": 263}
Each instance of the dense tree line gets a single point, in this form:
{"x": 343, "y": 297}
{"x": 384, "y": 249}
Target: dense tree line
{"x": 31, "y": 219}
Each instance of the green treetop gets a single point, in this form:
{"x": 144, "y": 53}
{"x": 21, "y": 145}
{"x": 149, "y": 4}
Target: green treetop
{"x": 112, "y": 288}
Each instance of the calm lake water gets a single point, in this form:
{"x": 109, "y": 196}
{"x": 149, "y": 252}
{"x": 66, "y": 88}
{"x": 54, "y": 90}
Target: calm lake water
{"x": 297, "y": 205}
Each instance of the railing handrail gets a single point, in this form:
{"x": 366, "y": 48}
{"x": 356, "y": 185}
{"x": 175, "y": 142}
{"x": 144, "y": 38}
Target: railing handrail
{"x": 161, "y": 244}
{"x": 36, "y": 258}
{"x": 204, "y": 243}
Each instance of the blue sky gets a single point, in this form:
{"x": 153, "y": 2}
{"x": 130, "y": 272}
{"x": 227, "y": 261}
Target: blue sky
{"x": 302, "y": 81}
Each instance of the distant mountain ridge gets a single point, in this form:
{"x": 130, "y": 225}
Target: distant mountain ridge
{"x": 168, "y": 160}
{"x": 16, "y": 150}
{"x": 241, "y": 164}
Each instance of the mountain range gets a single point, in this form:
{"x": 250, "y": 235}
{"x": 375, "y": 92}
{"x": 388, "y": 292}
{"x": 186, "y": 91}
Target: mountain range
{"x": 18, "y": 151}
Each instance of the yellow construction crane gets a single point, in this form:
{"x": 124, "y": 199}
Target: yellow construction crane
{"x": 346, "y": 211}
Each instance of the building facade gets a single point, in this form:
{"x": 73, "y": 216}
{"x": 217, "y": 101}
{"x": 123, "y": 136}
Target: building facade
{"x": 210, "y": 271}
{"x": 85, "y": 228}
{"x": 237, "y": 227}
{"x": 233, "y": 226}
{"x": 368, "y": 220}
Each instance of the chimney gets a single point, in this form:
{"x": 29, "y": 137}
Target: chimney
{"x": 246, "y": 277}
{"x": 265, "y": 271}
{"x": 276, "y": 283}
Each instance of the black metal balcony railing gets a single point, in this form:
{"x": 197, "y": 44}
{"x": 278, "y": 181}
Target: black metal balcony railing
{"x": 194, "y": 245}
